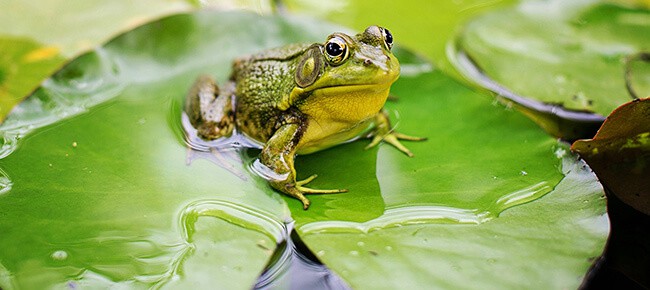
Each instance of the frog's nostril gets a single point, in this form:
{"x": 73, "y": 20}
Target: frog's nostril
{"x": 367, "y": 62}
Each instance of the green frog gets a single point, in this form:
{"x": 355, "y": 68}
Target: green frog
{"x": 303, "y": 98}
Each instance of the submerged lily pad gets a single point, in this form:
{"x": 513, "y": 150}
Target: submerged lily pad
{"x": 99, "y": 188}
{"x": 570, "y": 55}
{"x": 65, "y": 29}
{"x": 23, "y": 65}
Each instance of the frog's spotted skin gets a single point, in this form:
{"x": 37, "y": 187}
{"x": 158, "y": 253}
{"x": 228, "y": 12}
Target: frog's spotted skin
{"x": 302, "y": 98}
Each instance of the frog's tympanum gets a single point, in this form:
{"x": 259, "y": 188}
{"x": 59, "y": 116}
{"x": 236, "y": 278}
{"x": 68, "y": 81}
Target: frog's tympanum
{"x": 303, "y": 98}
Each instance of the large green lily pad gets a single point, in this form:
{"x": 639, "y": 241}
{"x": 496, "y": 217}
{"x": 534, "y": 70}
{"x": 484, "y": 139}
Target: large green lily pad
{"x": 569, "y": 54}
{"x": 99, "y": 188}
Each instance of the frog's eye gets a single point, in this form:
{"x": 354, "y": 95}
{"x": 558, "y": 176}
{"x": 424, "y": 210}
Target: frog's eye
{"x": 388, "y": 38}
{"x": 336, "y": 50}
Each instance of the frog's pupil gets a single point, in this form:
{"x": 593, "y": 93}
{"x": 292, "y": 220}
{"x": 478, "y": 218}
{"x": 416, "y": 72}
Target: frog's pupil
{"x": 389, "y": 37}
{"x": 334, "y": 49}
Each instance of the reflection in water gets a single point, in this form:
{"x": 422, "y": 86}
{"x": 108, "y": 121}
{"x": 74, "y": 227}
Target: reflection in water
{"x": 295, "y": 267}
{"x": 223, "y": 152}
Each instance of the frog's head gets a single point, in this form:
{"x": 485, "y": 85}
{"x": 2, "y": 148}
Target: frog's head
{"x": 345, "y": 64}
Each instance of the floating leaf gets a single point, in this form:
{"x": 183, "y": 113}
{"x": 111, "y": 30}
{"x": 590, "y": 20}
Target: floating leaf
{"x": 569, "y": 55}
{"x": 459, "y": 211}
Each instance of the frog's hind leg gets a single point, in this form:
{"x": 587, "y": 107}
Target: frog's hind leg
{"x": 210, "y": 110}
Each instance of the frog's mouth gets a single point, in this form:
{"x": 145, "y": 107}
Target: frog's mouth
{"x": 348, "y": 88}
{"x": 379, "y": 81}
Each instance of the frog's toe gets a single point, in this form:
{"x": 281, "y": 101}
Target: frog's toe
{"x": 306, "y": 180}
{"x": 401, "y": 136}
{"x": 307, "y": 190}
{"x": 375, "y": 141}
{"x": 298, "y": 191}
{"x": 393, "y": 139}
{"x": 294, "y": 192}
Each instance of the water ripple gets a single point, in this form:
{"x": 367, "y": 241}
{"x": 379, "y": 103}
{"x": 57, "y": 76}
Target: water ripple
{"x": 421, "y": 214}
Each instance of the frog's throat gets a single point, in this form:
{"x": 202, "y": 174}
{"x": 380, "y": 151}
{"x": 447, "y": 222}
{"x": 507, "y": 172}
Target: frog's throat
{"x": 370, "y": 91}
{"x": 346, "y": 105}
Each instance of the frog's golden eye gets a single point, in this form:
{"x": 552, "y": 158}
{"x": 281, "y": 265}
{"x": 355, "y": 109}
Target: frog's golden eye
{"x": 336, "y": 50}
{"x": 388, "y": 37}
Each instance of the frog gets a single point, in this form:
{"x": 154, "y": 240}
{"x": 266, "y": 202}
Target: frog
{"x": 303, "y": 98}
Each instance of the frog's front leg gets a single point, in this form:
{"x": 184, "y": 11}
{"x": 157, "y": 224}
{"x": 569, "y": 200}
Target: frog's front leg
{"x": 383, "y": 131}
{"x": 209, "y": 109}
{"x": 278, "y": 155}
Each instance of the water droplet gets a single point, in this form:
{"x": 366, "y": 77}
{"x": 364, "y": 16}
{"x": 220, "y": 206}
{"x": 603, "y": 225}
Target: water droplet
{"x": 354, "y": 253}
{"x": 522, "y": 196}
{"x": 74, "y": 144}
{"x": 320, "y": 253}
{"x": 523, "y": 173}
{"x": 388, "y": 248}
{"x": 59, "y": 255}
{"x": 361, "y": 244}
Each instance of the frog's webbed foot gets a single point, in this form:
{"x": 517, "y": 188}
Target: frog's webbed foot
{"x": 209, "y": 110}
{"x": 384, "y": 132}
{"x": 298, "y": 191}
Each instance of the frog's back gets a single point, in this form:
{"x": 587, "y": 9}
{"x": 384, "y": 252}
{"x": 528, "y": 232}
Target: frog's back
{"x": 261, "y": 81}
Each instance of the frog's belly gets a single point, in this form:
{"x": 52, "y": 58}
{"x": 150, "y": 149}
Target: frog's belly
{"x": 319, "y": 137}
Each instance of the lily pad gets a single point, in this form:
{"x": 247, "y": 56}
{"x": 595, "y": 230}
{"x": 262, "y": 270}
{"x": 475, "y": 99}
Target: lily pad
{"x": 63, "y": 29}
{"x": 569, "y": 54}
{"x": 100, "y": 189}
{"x": 454, "y": 213}
{"x": 23, "y": 65}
